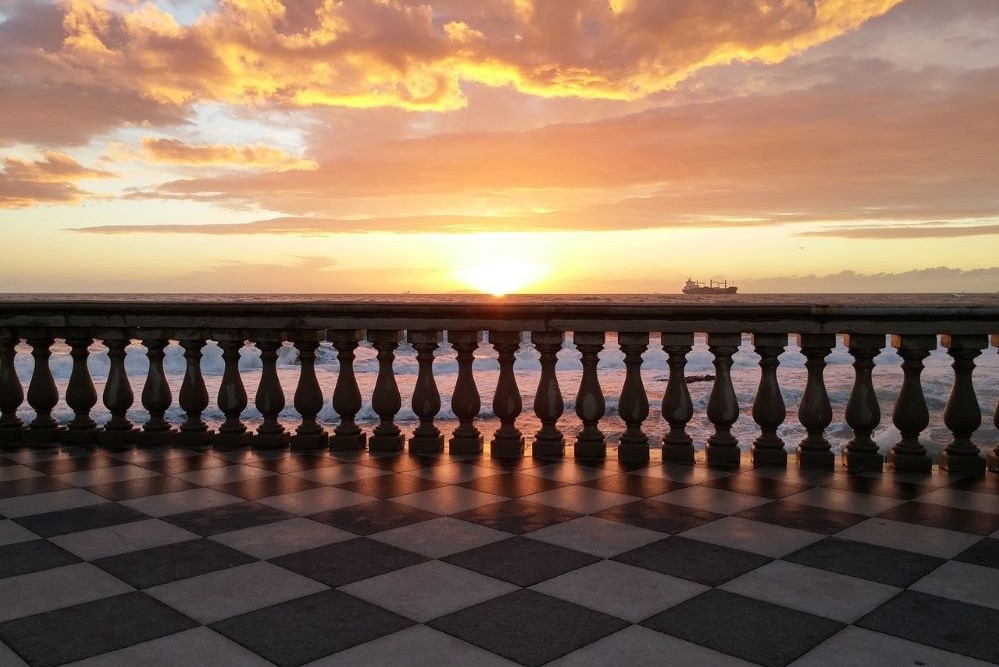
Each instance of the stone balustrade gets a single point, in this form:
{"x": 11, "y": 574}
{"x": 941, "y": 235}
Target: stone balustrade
{"x": 915, "y": 331}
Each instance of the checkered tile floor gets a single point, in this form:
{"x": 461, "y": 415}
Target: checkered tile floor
{"x": 176, "y": 557}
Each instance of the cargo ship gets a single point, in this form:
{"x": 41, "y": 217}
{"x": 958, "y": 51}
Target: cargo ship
{"x": 713, "y": 287}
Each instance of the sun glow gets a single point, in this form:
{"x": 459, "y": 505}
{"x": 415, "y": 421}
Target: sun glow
{"x": 501, "y": 276}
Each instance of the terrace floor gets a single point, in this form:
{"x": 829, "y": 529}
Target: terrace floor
{"x": 177, "y": 557}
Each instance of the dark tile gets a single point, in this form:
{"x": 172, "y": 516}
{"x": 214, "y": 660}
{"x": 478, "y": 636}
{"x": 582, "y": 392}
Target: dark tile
{"x": 882, "y": 485}
{"x": 867, "y": 561}
{"x": 83, "y": 630}
{"x": 181, "y": 464}
{"x": 516, "y": 516}
{"x": 707, "y": 564}
{"x": 641, "y": 486}
{"x": 141, "y": 487}
{"x": 61, "y": 465}
{"x": 80, "y": 518}
{"x": 946, "y": 624}
{"x": 528, "y": 627}
{"x": 985, "y": 553}
{"x": 306, "y": 629}
{"x": 521, "y": 561}
{"x": 33, "y": 556}
{"x": 161, "y": 565}
{"x": 215, "y": 520}
{"x": 389, "y": 486}
{"x": 655, "y": 515}
{"x": 264, "y": 487}
{"x": 373, "y": 517}
{"x": 402, "y": 462}
{"x": 345, "y": 562}
{"x": 508, "y": 464}
{"x": 32, "y": 485}
{"x": 756, "y": 486}
{"x": 512, "y": 484}
{"x": 746, "y": 628}
{"x": 293, "y": 462}
{"x": 803, "y": 517}
{"x": 987, "y": 484}
{"x": 4, "y": 461}
{"x": 941, "y": 516}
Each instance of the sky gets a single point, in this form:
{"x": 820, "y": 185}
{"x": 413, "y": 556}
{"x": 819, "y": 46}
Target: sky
{"x": 552, "y": 146}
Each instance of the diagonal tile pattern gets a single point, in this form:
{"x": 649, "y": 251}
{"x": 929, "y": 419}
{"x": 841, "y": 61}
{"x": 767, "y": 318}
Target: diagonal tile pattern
{"x": 255, "y": 558}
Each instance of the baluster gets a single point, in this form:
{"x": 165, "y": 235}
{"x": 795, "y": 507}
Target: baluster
{"x": 346, "y": 395}
{"x": 118, "y": 396}
{"x": 427, "y": 438}
{"x": 271, "y": 434}
{"x": 815, "y": 410}
{"x": 548, "y": 402}
{"x": 910, "y": 415}
{"x": 993, "y": 454}
{"x": 633, "y": 407}
{"x": 308, "y": 395}
{"x": 768, "y": 407}
{"x": 232, "y": 399}
{"x": 42, "y": 394}
{"x": 385, "y": 398}
{"x": 81, "y": 395}
{"x": 193, "y": 398}
{"x": 678, "y": 447}
{"x": 508, "y": 441}
{"x": 723, "y": 405}
{"x": 11, "y": 392}
{"x": 156, "y": 396}
{"x": 962, "y": 415}
{"x": 590, "y": 405}
{"x": 465, "y": 401}
{"x": 863, "y": 413}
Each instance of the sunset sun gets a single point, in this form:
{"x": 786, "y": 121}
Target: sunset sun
{"x": 501, "y": 276}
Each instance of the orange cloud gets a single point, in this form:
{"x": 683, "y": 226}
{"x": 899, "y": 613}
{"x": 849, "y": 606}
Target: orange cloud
{"x": 175, "y": 151}
{"x": 401, "y": 53}
{"x": 49, "y": 180}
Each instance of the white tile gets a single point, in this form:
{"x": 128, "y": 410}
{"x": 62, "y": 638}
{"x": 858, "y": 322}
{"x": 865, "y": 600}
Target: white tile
{"x": 211, "y": 597}
{"x": 105, "y": 475}
{"x": 569, "y": 471}
{"x": 440, "y": 537}
{"x": 579, "y": 499}
{"x": 966, "y": 500}
{"x": 177, "y": 502}
{"x": 147, "y": 455}
{"x": 718, "y": 501}
{"x": 340, "y": 474}
{"x": 223, "y": 475}
{"x": 856, "y": 646}
{"x": 965, "y": 582}
{"x": 200, "y": 646}
{"x": 910, "y": 537}
{"x": 48, "y": 454}
{"x": 596, "y": 536}
{"x": 53, "y": 501}
{"x": 836, "y": 596}
{"x": 312, "y": 501}
{"x": 121, "y": 538}
{"x": 628, "y": 592}
{"x": 10, "y": 473}
{"x": 282, "y": 537}
{"x": 448, "y": 499}
{"x": 754, "y": 536}
{"x": 428, "y": 590}
{"x": 10, "y": 659}
{"x": 12, "y": 533}
{"x": 845, "y": 501}
{"x": 418, "y": 646}
{"x": 58, "y": 587}
{"x": 453, "y": 473}
{"x": 640, "y": 647}
{"x": 686, "y": 474}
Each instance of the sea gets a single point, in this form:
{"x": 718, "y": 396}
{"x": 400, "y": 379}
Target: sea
{"x": 937, "y": 377}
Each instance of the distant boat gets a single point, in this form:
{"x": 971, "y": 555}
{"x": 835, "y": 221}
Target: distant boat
{"x": 713, "y": 287}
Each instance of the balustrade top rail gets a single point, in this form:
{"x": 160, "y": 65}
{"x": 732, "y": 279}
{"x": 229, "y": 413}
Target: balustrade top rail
{"x": 505, "y": 316}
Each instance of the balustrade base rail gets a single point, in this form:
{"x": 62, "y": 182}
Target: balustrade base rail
{"x": 915, "y": 332}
